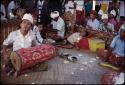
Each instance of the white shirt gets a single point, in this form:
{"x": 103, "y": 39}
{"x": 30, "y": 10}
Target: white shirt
{"x": 74, "y": 37}
{"x": 3, "y": 11}
{"x": 93, "y": 24}
{"x": 122, "y": 8}
{"x": 68, "y": 5}
{"x": 109, "y": 27}
{"x": 19, "y": 41}
{"x": 36, "y": 32}
{"x": 11, "y": 6}
{"x": 79, "y": 4}
{"x": 60, "y": 26}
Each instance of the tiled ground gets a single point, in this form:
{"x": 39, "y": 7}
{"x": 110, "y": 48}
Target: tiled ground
{"x": 85, "y": 71}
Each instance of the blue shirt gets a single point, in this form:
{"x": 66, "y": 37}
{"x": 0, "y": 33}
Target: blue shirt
{"x": 118, "y": 46}
{"x": 93, "y": 24}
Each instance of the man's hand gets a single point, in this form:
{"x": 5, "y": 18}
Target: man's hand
{"x": 5, "y": 53}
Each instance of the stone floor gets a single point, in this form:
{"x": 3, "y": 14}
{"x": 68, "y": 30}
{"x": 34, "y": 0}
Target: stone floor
{"x": 85, "y": 71}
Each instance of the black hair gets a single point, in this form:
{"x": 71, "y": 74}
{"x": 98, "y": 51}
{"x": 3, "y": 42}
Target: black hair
{"x": 122, "y": 18}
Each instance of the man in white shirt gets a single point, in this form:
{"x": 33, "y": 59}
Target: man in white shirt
{"x": 93, "y": 23}
{"x": 58, "y": 24}
{"x": 22, "y": 38}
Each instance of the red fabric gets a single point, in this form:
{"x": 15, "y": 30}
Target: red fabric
{"x": 92, "y": 12}
{"x": 80, "y": 17}
{"x": 34, "y": 55}
{"x": 108, "y": 78}
{"x": 118, "y": 61}
{"x": 83, "y": 43}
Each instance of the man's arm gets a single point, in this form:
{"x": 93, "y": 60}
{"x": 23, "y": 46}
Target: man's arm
{"x": 7, "y": 44}
{"x": 112, "y": 46}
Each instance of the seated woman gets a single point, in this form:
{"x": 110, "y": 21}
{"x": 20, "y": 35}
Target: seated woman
{"x": 116, "y": 54}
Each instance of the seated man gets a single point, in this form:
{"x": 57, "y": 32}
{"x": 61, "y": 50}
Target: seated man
{"x": 22, "y": 38}
{"x": 93, "y": 23}
{"x": 105, "y": 25}
{"x": 116, "y": 54}
{"x": 58, "y": 24}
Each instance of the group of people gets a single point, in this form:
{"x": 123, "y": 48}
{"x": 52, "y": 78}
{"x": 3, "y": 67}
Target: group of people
{"x": 29, "y": 33}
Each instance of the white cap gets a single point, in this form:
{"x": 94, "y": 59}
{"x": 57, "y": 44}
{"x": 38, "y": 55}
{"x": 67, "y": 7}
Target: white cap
{"x": 100, "y": 12}
{"x": 113, "y": 12}
{"x": 28, "y": 16}
{"x": 104, "y": 16}
{"x": 54, "y": 14}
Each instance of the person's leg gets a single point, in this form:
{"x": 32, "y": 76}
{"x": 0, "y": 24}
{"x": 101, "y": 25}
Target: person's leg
{"x": 117, "y": 61}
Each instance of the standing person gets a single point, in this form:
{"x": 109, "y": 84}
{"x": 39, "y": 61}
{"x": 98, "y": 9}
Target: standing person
{"x": 122, "y": 8}
{"x": 113, "y": 6}
{"x": 45, "y": 13}
{"x": 88, "y": 7}
{"x": 2, "y": 11}
{"x": 55, "y": 5}
{"x": 80, "y": 12}
{"x": 29, "y": 5}
{"x": 12, "y": 6}
{"x": 70, "y": 13}
{"x": 70, "y": 6}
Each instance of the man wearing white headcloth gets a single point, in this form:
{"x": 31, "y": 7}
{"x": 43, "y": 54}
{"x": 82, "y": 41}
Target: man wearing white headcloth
{"x": 58, "y": 24}
{"x": 105, "y": 25}
{"x": 21, "y": 38}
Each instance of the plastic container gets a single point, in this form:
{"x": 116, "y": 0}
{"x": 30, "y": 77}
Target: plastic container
{"x": 95, "y": 43}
